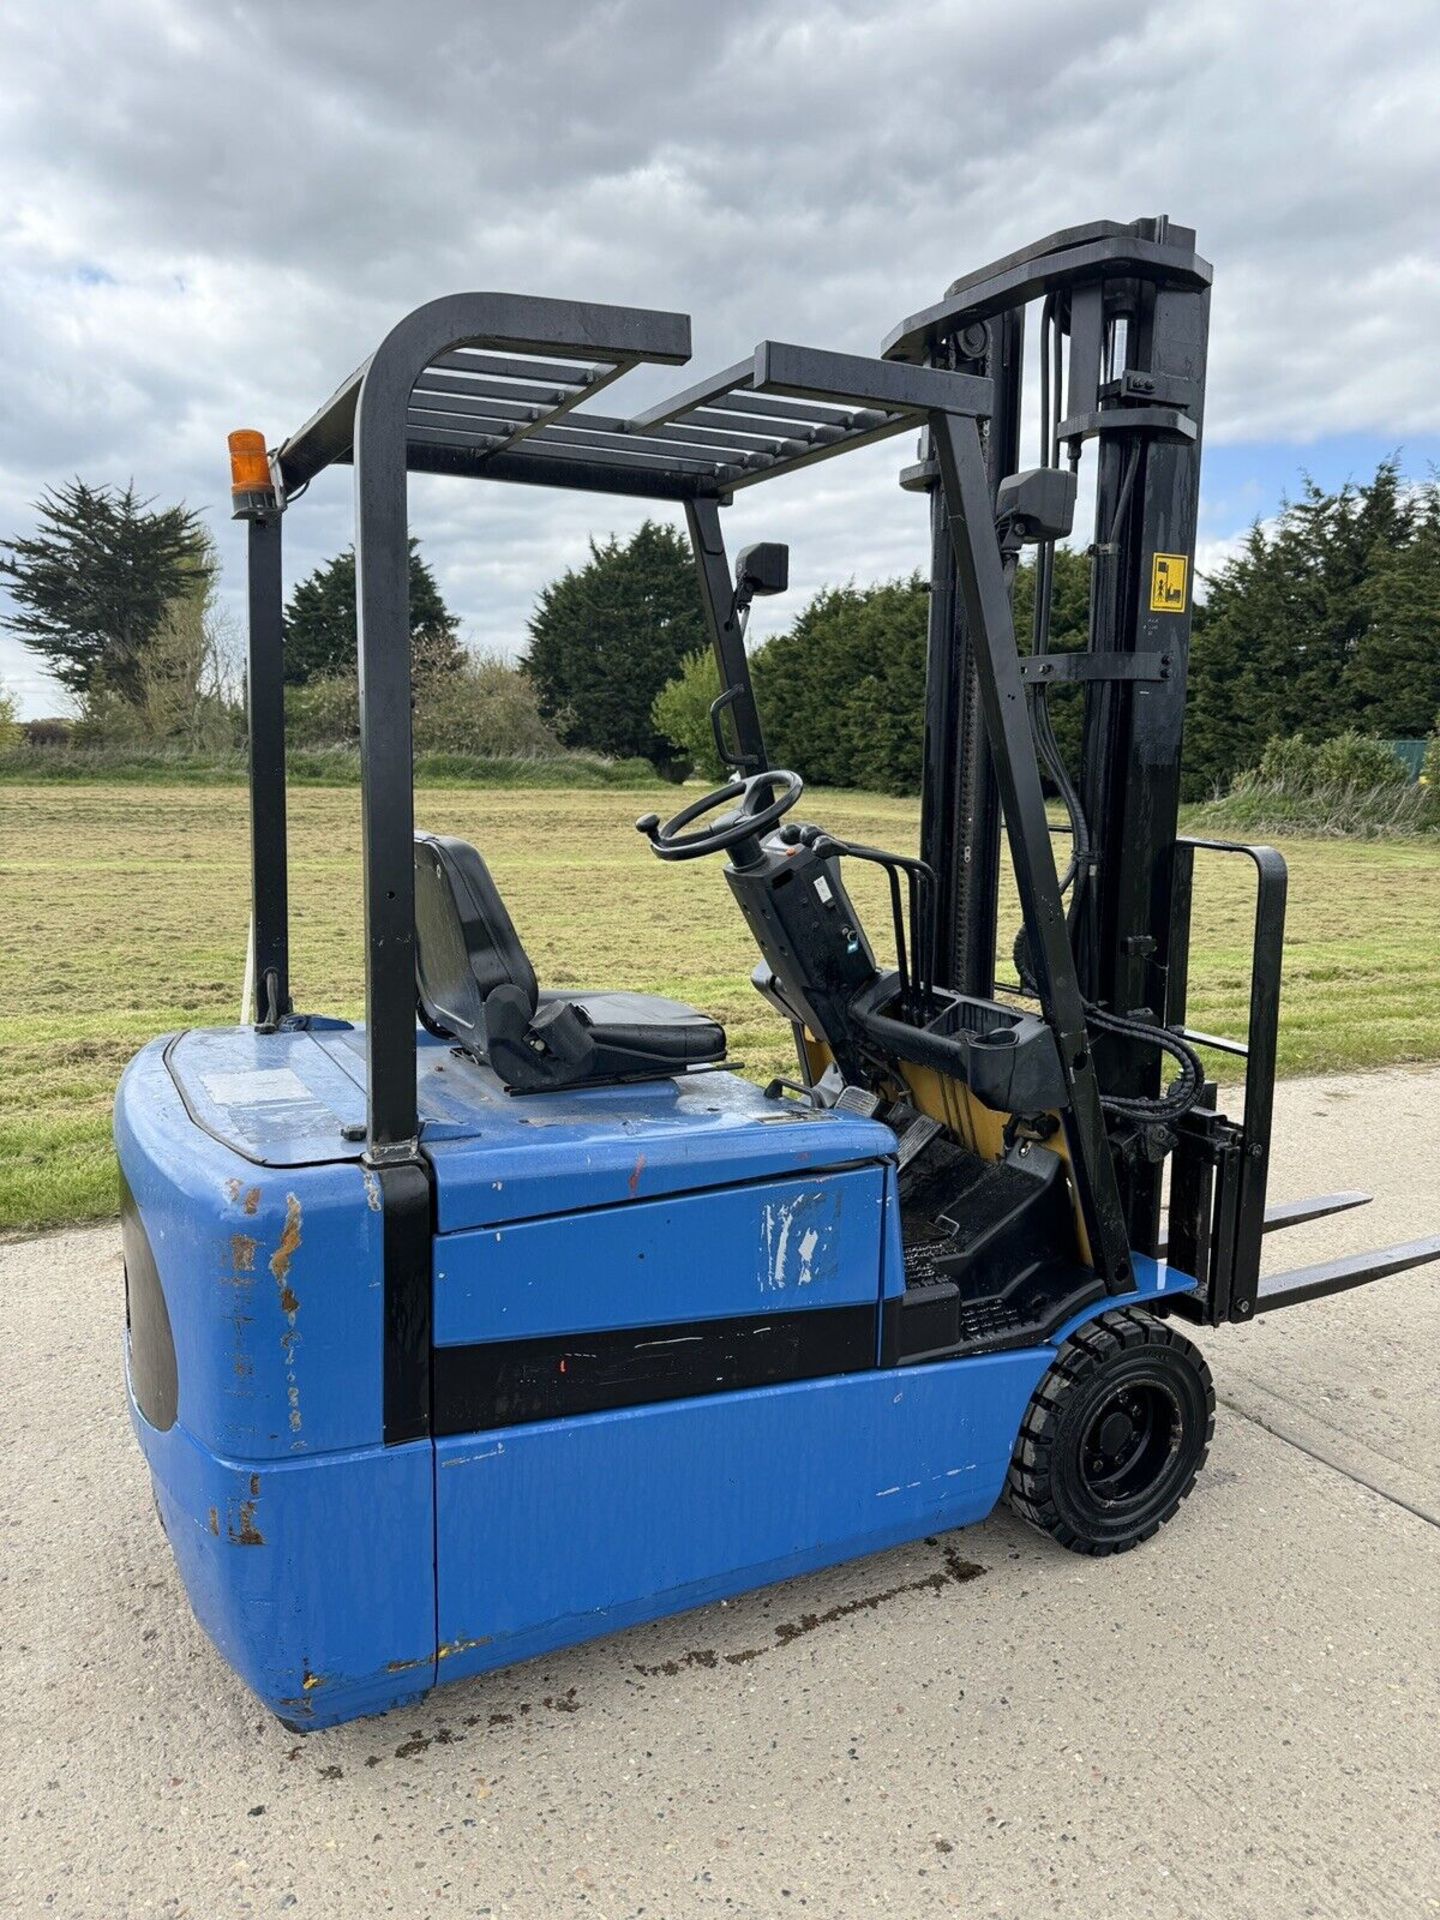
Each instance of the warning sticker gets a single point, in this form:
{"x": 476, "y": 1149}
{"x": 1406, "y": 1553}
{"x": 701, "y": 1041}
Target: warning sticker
{"x": 1167, "y": 583}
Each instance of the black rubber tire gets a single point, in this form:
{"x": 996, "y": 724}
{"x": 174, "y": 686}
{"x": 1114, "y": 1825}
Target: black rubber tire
{"x": 1126, "y": 1375}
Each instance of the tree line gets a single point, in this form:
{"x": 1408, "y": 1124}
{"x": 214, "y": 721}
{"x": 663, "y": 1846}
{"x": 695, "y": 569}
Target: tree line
{"x": 118, "y": 598}
{"x": 1323, "y": 624}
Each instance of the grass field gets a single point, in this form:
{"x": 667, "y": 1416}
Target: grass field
{"x": 125, "y": 911}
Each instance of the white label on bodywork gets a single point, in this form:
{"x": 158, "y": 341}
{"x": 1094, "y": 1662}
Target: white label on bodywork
{"x": 255, "y": 1089}
{"x": 822, "y": 887}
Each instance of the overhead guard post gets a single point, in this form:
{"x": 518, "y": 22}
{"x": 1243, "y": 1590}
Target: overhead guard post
{"x": 727, "y": 640}
{"x": 374, "y": 408}
{"x": 256, "y": 503}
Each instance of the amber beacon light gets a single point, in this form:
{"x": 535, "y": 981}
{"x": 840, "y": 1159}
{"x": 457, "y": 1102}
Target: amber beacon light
{"x": 252, "y": 491}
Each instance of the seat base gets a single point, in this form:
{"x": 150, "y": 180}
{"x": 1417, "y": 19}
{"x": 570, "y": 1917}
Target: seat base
{"x": 645, "y": 1023}
{"x": 574, "y": 1040}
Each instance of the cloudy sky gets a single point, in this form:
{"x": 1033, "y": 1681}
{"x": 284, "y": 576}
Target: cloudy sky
{"x": 213, "y": 211}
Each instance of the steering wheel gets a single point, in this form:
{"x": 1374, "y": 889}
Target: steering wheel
{"x": 751, "y": 816}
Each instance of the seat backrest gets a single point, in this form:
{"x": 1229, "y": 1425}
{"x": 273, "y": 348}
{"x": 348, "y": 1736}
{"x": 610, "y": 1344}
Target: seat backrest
{"x": 465, "y": 941}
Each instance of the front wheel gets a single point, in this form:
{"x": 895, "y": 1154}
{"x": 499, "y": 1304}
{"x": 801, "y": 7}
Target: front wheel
{"x": 1114, "y": 1435}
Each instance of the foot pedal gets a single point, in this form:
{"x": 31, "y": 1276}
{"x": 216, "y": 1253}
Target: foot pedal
{"x": 859, "y": 1100}
{"x": 916, "y": 1137}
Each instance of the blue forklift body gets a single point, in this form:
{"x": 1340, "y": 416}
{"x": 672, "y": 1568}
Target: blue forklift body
{"x": 447, "y": 1348}
{"x": 341, "y": 1576}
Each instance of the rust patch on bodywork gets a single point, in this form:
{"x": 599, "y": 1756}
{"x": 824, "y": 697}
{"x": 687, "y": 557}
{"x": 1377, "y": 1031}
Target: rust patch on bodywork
{"x": 283, "y": 1255}
{"x": 251, "y": 1201}
{"x": 246, "y": 1533}
{"x": 242, "y": 1252}
{"x": 462, "y": 1646}
{"x": 215, "y": 1520}
{"x": 450, "y": 1648}
{"x": 289, "y": 1302}
{"x": 634, "y": 1181}
{"x": 242, "y": 1529}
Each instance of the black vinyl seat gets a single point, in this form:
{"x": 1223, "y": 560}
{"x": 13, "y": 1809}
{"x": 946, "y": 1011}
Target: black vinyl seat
{"x": 476, "y": 986}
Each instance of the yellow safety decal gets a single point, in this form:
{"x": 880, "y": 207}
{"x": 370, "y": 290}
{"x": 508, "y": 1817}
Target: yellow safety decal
{"x": 1167, "y": 583}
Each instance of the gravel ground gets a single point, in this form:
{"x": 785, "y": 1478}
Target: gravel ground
{"x": 1237, "y": 1721}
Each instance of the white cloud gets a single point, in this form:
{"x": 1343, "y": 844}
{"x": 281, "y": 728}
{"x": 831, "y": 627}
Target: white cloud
{"x": 213, "y": 212}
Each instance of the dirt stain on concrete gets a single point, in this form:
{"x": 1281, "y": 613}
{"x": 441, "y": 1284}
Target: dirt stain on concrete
{"x": 670, "y": 1669}
{"x": 420, "y": 1742}
{"x": 953, "y": 1571}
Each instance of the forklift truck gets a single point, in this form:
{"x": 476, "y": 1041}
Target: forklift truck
{"x": 458, "y": 1338}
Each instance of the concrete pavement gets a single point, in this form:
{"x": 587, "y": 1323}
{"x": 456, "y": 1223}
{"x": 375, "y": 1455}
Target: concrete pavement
{"x": 1238, "y": 1721}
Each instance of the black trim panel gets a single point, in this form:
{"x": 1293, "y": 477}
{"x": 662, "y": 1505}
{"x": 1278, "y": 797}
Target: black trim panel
{"x": 504, "y": 1383}
{"x": 154, "y": 1377}
{"x": 408, "y": 1227}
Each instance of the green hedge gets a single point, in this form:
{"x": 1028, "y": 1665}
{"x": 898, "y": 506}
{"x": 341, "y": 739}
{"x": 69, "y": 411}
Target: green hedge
{"x": 319, "y": 767}
{"x": 1349, "y": 787}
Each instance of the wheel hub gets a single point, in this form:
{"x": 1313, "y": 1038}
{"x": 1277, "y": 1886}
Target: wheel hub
{"x": 1117, "y": 1432}
{"x": 1131, "y": 1438}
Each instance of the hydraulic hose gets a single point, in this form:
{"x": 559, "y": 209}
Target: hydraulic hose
{"x": 1179, "y": 1096}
